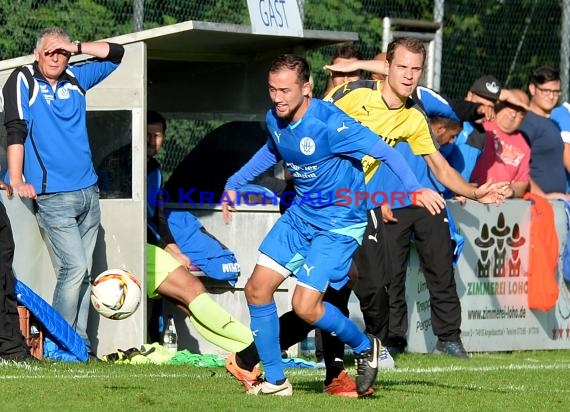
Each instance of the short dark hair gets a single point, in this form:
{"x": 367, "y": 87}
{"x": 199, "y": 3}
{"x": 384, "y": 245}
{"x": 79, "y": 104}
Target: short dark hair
{"x": 410, "y": 43}
{"x": 153, "y": 117}
{"x": 544, "y": 74}
{"x": 292, "y": 62}
{"x": 346, "y": 51}
{"x": 446, "y": 122}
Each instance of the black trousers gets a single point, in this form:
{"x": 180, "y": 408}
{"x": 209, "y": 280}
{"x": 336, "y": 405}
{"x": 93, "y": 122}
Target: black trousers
{"x": 12, "y": 343}
{"x": 372, "y": 260}
{"x": 433, "y": 244}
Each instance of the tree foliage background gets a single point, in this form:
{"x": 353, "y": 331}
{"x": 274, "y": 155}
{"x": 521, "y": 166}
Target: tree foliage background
{"x": 507, "y": 38}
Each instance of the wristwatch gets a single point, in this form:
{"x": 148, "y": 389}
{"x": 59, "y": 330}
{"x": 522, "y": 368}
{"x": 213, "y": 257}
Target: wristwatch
{"x": 78, "y": 45}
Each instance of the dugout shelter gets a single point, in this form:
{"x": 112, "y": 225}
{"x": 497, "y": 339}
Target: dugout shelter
{"x": 194, "y": 70}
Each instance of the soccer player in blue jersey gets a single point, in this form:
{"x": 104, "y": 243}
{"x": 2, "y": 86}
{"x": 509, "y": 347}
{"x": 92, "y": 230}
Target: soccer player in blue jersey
{"x": 315, "y": 240}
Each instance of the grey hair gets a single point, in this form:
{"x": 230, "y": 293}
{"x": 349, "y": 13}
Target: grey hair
{"x": 51, "y": 32}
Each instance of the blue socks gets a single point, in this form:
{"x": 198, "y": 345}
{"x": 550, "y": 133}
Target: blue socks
{"x": 265, "y": 329}
{"x": 333, "y": 321}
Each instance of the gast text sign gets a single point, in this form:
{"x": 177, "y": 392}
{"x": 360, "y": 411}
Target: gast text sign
{"x": 276, "y": 17}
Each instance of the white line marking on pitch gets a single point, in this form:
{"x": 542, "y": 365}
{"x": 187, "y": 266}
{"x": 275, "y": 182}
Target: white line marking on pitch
{"x": 439, "y": 369}
{"x": 290, "y": 371}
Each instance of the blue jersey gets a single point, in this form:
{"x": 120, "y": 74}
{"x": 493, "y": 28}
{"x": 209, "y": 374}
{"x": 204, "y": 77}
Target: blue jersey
{"x": 561, "y": 117}
{"x": 51, "y": 122}
{"x": 468, "y": 147}
{"x": 323, "y": 152}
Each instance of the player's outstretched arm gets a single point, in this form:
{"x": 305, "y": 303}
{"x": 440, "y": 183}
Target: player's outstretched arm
{"x": 428, "y": 199}
{"x": 492, "y": 192}
{"x": 262, "y": 160}
{"x": 421, "y": 196}
{"x": 487, "y": 193}
{"x": 373, "y": 66}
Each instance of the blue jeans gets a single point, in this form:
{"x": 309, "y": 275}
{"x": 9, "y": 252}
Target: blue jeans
{"x": 71, "y": 222}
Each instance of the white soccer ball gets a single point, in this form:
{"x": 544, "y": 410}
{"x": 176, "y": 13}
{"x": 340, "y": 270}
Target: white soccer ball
{"x": 116, "y": 294}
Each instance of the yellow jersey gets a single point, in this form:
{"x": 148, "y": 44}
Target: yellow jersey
{"x": 362, "y": 100}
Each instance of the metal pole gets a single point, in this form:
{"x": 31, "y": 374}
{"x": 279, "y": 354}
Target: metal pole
{"x": 565, "y": 50}
{"x": 138, "y": 15}
{"x": 386, "y": 33}
{"x": 438, "y": 12}
{"x": 301, "y": 4}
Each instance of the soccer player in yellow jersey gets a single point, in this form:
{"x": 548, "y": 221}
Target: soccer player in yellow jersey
{"x": 387, "y": 109}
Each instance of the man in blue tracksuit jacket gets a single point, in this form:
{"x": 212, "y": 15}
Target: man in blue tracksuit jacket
{"x": 49, "y": 158}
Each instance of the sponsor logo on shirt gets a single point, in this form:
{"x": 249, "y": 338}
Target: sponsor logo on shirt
{"x": 46, "y": 94}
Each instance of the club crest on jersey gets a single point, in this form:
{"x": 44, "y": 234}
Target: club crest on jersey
{"x": 63, "y": 93}
{"x": 307, "y": 146}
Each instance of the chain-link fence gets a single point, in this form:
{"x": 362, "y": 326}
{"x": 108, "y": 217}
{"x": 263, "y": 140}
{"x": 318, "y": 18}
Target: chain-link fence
{"x": 507, "y": 38}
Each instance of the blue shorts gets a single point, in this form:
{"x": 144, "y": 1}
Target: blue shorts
{"x": 318, "y": 258}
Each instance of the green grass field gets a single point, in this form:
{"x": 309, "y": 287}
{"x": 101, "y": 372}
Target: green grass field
{"x": 519, "y": 381}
